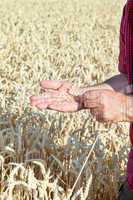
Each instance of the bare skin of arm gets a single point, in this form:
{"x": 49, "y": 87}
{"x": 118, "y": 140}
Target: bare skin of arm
{"x": 118, "y": 83}
{"x": 107, "y": 102}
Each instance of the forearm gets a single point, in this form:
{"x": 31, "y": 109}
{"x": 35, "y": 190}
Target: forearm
{"x": 118, "y": 83}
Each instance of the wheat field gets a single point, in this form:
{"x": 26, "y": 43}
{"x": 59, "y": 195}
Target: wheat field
{"x": 47, "y": 155}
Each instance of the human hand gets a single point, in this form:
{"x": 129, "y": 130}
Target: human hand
{"x": 56, "y": 96}
{"x": 106, "y": 105}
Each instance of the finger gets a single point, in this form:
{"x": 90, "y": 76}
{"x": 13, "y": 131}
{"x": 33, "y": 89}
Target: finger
{"x": 50, "y": 84}
{"x": 97, "y": 114}
{"x": 42, "y": 106}
{"x": 94, "y": 111}
{"x": 45, "y": 95}
{"x": 91, "y": 104}
{"x": 66, "y": 86}
{"x": 58, "y": 106}
{"x": 98, "y": 118}
{"x": 54, "y": 84}
{"x": 64, "y": 107}
{"x": 93, "y": 94}
{"x": 35, "y": 100}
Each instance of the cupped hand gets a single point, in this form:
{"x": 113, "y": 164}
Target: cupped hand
{"x": 56, "y": 96}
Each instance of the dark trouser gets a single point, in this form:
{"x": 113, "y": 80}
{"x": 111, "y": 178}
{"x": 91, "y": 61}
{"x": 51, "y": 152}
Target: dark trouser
{"x": 125, "y": 193}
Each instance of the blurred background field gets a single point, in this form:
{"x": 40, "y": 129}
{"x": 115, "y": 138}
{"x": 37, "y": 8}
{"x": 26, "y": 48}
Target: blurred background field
{"x": 42, "y": 153}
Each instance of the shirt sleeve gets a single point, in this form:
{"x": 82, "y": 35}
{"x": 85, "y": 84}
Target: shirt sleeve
{"x": 129, "y": 40}
{"x": 121, "y": 59}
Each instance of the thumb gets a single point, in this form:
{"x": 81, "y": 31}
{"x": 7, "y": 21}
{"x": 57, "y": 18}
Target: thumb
{"x": 65, "y": 86}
